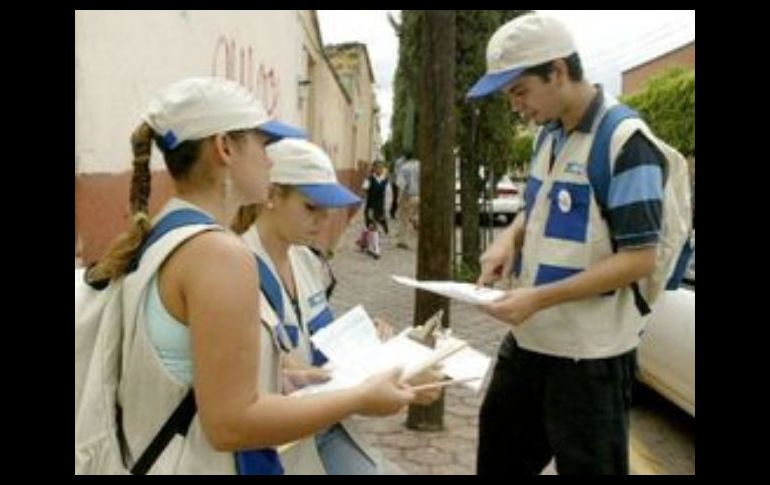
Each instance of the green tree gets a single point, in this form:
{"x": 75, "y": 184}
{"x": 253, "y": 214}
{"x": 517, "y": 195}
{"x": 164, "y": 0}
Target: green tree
{"x": 435, "y": 147}
{"x": 387, "y": 151}
{"x": 667, "y": 104}
{"x": 403, "y": 123}
{"x": 485, "y": 129}
{"x": 522, "y": 149}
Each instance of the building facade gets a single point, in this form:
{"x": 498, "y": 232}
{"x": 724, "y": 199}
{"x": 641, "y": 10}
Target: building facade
{"x": 634, "y": 78}
{"x": 123, "y": 57}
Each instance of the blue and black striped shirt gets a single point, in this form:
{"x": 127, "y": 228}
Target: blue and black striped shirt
{"x": 636, "y": 186}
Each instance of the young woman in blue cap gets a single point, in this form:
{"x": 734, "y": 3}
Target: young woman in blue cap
{"x": 296, "y": 283}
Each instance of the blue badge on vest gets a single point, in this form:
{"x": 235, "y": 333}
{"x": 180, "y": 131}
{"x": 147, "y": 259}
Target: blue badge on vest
{"x": 575, "y": 168}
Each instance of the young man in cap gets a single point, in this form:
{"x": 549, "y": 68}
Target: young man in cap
{"x": 562, "y": 384}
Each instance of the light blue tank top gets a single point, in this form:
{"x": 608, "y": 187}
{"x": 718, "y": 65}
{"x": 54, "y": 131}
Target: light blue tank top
{"x": 169, "y": 337}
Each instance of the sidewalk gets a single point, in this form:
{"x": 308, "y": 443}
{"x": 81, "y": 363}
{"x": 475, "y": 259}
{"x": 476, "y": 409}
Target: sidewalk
{"x": 364, "y": 280}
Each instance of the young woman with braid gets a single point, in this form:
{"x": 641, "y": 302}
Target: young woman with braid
{"x": 199, "y": 324}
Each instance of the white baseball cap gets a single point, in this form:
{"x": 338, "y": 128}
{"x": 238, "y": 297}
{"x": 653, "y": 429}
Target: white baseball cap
{"x": 524, "y": 42}
{"x": 306, "y": 166}
{"x": 198, "y": 107}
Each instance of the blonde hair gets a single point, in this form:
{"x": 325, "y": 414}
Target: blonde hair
{"x": 247, "y": 214}
{"x": 245, "y": 217}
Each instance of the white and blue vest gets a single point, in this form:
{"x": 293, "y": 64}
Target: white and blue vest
{"x": 291, "y": 328}
{"x": 143, "y": 374}
{"x": 566, "y": 233}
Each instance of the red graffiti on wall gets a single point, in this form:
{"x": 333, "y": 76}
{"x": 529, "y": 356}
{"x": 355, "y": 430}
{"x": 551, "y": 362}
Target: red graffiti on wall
{"x": 238, "y": 64}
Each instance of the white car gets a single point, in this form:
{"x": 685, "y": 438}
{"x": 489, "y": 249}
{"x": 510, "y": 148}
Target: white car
{"x": 507, "y": 202}
{"x": 666, "y": 355}
{"x": 509, "y": 199}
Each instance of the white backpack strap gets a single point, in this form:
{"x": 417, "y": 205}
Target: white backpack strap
{"x": 273, "y": 325}
{"x": 103, "y": 320}
{"x": 155, "y": 255}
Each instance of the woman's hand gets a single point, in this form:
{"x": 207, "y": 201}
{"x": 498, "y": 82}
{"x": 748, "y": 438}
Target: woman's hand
{"x": 297, "y": 374}
{"x": 428, "y": 376}
{"x": 383, "y": 395}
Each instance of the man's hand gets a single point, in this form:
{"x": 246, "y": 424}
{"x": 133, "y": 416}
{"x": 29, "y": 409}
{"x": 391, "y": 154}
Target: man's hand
{"x": 495, "y": 263}
{"x": 515, "y": 307}
{"x": 497, "y": 260}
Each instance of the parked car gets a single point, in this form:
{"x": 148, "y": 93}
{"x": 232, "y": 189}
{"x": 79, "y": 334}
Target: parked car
{"x": 666, "y": 355}
{"x": 506, "y": 202}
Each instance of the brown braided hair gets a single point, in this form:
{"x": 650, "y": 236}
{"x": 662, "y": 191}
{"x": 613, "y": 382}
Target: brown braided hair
{"x": 179, "y": 162}
{"x": 115, "y": 262}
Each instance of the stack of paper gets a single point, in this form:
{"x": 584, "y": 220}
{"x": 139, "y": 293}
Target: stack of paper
{"x": 467, "y": 292}
{"x": 355, "y": 353}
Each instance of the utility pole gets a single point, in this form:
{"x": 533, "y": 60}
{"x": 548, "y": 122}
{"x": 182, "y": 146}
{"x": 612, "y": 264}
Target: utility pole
{"x": 435, "y": 149}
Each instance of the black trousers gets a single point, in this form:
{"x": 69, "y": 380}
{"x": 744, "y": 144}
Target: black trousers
{"x": 540, "y": 407}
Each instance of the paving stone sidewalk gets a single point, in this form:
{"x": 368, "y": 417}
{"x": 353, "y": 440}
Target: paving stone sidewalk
{"x": 364, "y": 280}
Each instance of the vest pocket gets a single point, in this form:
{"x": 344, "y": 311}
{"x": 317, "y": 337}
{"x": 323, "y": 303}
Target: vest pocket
{"x": 569, "y": 211}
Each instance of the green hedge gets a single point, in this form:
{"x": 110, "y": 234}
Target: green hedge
{"x": 667, "y": 103}
{"x": 522, "y": 149}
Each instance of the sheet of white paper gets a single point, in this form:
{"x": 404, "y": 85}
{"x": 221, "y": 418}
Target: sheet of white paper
{"x": 347, "y": 338}
{"x": 363, "y": 361}
{"x": 466, "y": 292}
{"x": 355, "y": 353}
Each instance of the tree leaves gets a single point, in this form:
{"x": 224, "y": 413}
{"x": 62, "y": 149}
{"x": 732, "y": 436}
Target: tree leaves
{"x": 667, "y": 104}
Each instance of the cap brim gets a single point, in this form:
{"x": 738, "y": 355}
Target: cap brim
{"x": 493, "y": 82}
{"x": 276, "y": 129}
{"x": 329, "y": 195}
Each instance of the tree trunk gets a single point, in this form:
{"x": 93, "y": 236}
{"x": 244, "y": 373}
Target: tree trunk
{"x": 436, "y": 153}
{"x": 469, "y": 202}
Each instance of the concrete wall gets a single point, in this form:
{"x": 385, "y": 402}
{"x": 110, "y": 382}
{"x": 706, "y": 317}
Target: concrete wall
{"x": 353, "y": 67}
{"x": 364, "y": 110}
{"x": 330, "y": 121}
{"x": 123, "y": 57}
{"x": 636, "y": 77}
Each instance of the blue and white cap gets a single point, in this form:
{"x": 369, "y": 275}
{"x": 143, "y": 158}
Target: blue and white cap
{"x": 306, "y": 166}
{"x": 526, "y": 41}
{"x": 199, "y": 107}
